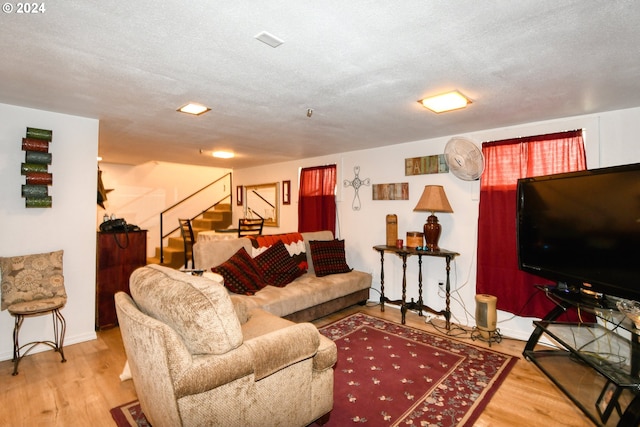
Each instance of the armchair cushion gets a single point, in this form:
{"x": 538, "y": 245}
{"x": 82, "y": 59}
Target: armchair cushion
{"x": 32, "y": 277}
{"x": 198, "y": 309}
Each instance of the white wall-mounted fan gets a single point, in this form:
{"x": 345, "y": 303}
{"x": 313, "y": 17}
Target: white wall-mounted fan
{"x": 464, "y": 158}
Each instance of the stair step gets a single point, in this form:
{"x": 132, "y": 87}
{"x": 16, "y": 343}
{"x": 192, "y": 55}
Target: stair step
{"x": 208, "y": 224}
{"x": 217, "y": 218}
{"x": 173, "y": 258}
{"x": 171, "y": 252}
{"x": 173, "y": 264}
{"x": 175, "y": 242}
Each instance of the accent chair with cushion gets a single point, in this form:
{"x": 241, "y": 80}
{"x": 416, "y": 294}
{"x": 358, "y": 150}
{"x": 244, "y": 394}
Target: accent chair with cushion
{"x": 197, "y": 359}
{"x": 33, "y": 285}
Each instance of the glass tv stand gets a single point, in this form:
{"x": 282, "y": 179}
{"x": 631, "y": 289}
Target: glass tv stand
{"x": 597, "y": 365}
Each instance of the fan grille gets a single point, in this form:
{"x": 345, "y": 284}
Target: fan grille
{"x": 464, "y": 158}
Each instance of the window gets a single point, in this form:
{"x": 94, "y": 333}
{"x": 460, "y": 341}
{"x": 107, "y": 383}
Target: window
{"x": 505, "y": 162}
{"x": 317, "y": 201}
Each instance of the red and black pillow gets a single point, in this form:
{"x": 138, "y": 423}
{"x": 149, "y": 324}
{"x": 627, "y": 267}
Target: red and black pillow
{"x": 241, "y": 274}
{"x": 294, "y": 242}
{"x": 328, "y": 257}
{"x": 278, "y": 267}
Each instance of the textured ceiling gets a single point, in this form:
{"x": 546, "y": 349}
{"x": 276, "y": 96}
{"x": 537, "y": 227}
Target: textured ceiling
{"x": 360, "y": 65}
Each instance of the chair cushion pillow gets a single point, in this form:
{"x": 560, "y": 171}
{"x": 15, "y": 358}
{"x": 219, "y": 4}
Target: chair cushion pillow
{"x": 198, "y": 309}
{"x": 328, "y": 257}
{"x": 32, "y": 277}
{"x": 277, "y": 265}
{"x": 241, "y": 273}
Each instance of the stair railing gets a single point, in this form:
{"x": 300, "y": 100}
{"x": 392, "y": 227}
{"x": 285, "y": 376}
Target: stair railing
{"x": 226, "y": 196}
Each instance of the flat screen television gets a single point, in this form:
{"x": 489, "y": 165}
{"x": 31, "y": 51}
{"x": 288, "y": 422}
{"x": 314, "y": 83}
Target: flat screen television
{"x": 582, "y": 229}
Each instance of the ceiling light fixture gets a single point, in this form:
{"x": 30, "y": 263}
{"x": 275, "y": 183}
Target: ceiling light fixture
{"x": 193, "y": 108}
{"x": 223, "y": 154}
{"x": 445, "y": 102}
{"x": 269, "y": 39}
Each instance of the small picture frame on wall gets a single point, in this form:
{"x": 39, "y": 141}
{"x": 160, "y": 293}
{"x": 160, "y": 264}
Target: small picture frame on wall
{"x": 239, "y": 195}
{"x": 286, "y": 192}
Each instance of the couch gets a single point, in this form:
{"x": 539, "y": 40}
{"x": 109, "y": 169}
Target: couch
{"x": 197, "y": 358}
{"x": 306, "y": 298}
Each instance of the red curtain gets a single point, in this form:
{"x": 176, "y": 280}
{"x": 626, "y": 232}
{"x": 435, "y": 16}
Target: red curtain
{"x": 317, "y": 200}
{"x": 505, "y": 162}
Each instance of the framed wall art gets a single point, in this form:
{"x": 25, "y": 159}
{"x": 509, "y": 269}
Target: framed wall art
{"x": 395, "y": 191}
{"x": 286, "y": 192}
{"x": 239, "y": 195}
{"x": 425, "y": 165}
{"x": 261, "y": 201}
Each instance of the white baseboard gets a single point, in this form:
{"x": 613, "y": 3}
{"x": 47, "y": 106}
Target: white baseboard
{"x": 68, "y": 340}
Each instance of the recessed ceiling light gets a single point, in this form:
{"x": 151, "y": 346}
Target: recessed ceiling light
{"x": 223, "y": 154}
{"x": 193, "y": 108}
{"x": 445, "y": 102}
{"x": 269, "y": 39}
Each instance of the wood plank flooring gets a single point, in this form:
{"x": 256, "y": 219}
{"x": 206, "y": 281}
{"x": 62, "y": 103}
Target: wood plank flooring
{"x": 81, "y": 391}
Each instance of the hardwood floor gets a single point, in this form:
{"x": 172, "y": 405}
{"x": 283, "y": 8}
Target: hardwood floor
{"x": 81, "y": 391}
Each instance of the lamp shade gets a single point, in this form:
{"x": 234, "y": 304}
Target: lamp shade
{"x": 433, "y": 199}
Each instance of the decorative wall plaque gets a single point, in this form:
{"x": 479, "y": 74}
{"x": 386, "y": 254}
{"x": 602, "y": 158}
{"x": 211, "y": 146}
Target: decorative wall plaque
{"x": 36, "y": 168}
{"x": 396, "y": 191}
{"x": 425, "y": 165}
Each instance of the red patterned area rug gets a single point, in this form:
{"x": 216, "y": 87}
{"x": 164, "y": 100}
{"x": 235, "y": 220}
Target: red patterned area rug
{"x": 129, "y": 415}
{"x": 389, "y": 374}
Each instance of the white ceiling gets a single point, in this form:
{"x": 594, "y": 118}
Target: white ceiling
{"x": 360, "y": 65}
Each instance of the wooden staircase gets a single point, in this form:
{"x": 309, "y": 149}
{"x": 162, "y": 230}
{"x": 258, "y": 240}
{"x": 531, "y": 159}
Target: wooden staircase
{"x": 219, "y": 217}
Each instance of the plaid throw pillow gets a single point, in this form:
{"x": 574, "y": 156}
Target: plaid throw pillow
{"x": 278, "y": 267}
{"x": 241, "y": 274}
{"x": 328, "y": 257}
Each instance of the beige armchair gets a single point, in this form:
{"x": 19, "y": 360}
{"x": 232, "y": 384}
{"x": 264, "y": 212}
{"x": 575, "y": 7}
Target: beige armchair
{"x": 198, "y": 360}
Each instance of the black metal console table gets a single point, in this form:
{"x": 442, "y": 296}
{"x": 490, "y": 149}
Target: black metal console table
{"x": 404, "y": 253}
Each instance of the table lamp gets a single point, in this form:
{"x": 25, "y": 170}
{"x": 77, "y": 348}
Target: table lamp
{"x": 433, "y": 200}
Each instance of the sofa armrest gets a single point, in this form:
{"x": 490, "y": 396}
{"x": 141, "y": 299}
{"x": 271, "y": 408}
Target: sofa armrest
{"x": 262, "y": 356}
{"x": 283, "y": 347}
{"x": 210, "y": 371}
{"x": 326, "y": 356}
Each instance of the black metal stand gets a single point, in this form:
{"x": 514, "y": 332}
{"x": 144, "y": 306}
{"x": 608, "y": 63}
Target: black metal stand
{"x": 479, "y": 334}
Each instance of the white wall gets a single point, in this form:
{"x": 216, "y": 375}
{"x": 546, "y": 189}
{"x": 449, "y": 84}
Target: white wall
{"x": 71, "y": 223}
{"x": 611, "y": 139}
{"x": 141, "y": 192}
{"x": 68, "y": 225}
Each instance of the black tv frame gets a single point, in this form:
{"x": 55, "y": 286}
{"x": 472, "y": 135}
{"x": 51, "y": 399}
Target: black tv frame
{"x": 614, "y": 268}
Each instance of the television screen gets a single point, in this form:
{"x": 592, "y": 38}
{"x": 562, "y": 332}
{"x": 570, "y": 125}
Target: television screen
{"x": 583, "y": 229}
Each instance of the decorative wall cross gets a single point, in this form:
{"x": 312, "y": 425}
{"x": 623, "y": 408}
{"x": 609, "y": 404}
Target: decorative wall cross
{"x": 356, "y": 183}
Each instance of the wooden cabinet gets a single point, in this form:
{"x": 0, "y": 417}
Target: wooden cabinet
{"x": 118, "y": 255}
